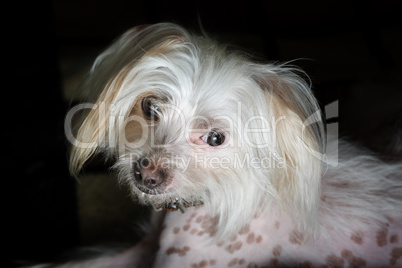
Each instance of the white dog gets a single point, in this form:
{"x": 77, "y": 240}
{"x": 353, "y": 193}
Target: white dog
{"x": 234, "y": 151}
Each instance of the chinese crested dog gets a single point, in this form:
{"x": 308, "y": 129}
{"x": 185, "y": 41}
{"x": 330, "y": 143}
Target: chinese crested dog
{"x": 232, "y": 154}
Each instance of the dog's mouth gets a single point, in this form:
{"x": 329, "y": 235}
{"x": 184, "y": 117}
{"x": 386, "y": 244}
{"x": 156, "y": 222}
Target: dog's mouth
{"x": 154, "y": 188}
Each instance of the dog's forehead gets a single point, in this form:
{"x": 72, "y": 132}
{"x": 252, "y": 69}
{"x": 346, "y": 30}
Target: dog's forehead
{"x": 208, "y": 80}
{"x": 213, "y": 94}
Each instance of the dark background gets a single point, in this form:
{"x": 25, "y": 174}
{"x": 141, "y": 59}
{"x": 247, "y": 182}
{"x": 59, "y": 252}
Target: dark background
{"x": 350, "y": 49}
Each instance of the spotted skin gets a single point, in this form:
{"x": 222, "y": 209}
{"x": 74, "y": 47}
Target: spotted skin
{"x": 270, "y": 241}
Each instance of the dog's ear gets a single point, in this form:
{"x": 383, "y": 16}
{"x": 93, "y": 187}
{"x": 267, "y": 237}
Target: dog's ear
{"x": 108, "y": 77}
{"x": 299, "y": 132}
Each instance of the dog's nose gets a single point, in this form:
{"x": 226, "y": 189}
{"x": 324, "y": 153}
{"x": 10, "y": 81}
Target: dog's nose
{"x": 148, "y": 178}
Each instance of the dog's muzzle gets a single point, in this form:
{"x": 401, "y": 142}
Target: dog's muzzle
{"x": 150, "y": 180}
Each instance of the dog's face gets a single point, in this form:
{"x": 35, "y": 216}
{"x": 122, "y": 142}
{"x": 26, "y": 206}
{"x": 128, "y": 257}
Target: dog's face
{"x": 189, "y": 120}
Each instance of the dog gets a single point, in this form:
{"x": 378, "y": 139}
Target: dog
{"x": 233, "y": 157}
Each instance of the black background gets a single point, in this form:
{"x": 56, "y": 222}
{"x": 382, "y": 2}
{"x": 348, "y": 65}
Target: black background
{"x": 39, "y": 195}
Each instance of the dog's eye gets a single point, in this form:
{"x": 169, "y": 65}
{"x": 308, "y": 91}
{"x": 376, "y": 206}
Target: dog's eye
{"x": 214, "y": 138}
{"x": 150, "y": 108}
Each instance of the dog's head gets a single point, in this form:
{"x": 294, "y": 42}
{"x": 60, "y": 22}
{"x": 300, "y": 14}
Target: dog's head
{"x": 187, "y": 119}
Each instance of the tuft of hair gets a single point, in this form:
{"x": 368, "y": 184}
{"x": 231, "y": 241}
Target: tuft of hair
{"x": 107, "y": 76}
{"x": 300, "y": 141}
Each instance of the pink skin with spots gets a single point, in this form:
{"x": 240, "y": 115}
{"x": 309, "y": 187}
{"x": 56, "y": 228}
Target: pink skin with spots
{"x": 270, "y": 239}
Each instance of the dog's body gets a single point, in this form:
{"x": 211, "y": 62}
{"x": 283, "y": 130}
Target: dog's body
{"x": 237, "y": 146}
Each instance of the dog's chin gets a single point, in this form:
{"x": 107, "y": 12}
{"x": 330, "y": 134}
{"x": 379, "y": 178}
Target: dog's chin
{"x": 165, "y": 199}
{"x": 152, "y": 196}
{"x": 157, "y": 191}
